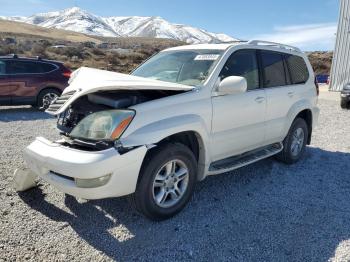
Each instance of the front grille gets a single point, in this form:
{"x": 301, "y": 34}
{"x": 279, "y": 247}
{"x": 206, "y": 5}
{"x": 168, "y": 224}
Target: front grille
{"x": 59, "y": 102}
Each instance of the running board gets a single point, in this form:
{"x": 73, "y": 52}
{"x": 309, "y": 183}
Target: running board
{"x": 234, "y": 162}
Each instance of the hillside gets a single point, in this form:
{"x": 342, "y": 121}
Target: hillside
{"x": 75, "y": 49}
{"x": 78, "y": 20}
{"x": 120, "y": 54}
{"x": 321, "y": 62}
{"x": 18, "y": 28}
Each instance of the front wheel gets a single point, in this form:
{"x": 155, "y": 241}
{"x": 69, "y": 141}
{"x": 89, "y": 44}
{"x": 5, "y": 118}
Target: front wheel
{"x": 167, "y": 181}
{"x": 295, "y": 142}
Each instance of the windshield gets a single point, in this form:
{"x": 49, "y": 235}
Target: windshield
{"x": 188, "y": 67}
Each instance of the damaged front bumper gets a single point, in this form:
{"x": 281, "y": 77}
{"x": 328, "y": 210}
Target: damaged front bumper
{"x": 85, "y": 174}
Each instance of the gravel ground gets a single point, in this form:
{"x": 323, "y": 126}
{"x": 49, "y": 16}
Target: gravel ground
{"x": 264, "y": 212}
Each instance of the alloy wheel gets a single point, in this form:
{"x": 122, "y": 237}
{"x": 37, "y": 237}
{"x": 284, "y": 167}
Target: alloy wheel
{"x": 48, "y": 99}
{"x": 297, "y": 142}
{"x": 170, "y": 183}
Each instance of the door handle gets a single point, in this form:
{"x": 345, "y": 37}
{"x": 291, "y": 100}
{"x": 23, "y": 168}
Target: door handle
{"x": 259, "y": 99}
{"x": 290, "y": 94}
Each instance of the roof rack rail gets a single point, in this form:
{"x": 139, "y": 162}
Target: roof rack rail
{"x": 283, "y": 46}
{"x": 233, "y": 41}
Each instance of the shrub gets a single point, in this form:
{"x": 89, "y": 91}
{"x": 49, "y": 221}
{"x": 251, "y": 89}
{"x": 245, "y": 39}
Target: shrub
{"x": 38, "y": 50}
{"x": 97, "y": 51}
{"x": 113, "y": 59}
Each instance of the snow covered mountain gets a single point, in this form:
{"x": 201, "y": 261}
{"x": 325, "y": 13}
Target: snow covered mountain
{"x": 78, "y": 20}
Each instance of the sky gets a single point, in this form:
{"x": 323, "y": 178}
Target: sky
{"x": 308, "y": 24}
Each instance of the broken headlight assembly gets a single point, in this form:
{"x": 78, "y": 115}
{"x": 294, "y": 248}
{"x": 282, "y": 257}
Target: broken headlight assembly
{"x": 103, "y": 125}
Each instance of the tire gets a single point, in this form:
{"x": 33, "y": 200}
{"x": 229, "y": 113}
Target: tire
{"x": 291, "y": 152}
{"x": 45, "y": 97}
{"x": 343, "y": 104}
{"x": 157, "y": 164}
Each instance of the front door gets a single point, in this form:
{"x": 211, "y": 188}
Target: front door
{"x": 238, "y": 122}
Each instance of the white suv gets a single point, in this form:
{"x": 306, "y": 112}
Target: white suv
{"x": 186, "y": 113}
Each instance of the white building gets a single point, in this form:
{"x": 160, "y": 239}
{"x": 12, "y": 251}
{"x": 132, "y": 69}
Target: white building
{"x": 340, "y": 72}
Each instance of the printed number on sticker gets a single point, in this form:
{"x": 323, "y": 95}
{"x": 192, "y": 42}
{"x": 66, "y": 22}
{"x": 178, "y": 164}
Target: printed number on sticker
{"x": 207, "y": 57}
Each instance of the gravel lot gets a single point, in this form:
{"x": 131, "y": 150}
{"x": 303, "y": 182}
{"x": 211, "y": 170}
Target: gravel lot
{"x": 264, "y": 212}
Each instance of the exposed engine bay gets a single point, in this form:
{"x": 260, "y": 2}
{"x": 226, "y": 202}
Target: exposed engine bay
{"x": 105, "y": 100}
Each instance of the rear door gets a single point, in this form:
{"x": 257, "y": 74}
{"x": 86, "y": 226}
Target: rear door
{"x": 280, "y": 91}
{"x": 5, "y": 94}
{"x": 26, "y": 80}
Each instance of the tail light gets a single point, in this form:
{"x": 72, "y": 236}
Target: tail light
{"x": 317, "y": 87}
{"x": 67, "y": 73}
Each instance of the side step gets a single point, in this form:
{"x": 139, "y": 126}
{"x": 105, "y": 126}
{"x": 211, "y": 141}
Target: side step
{"x": 244, "y": 159}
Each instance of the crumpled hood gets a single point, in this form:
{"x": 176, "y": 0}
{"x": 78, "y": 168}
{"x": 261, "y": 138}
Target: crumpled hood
{"x": 88, "y": 80}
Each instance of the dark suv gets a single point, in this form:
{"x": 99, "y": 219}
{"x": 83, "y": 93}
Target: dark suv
{"x": 31, "y": 81}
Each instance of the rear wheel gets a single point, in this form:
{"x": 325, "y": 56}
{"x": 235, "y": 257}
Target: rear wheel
{"x": 46, "y": 97}
{"x": 295, "y": 142}
{"x": 166, "y": 182}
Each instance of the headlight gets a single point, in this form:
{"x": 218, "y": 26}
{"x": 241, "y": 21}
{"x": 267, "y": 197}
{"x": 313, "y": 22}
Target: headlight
{"x": 103, "y": 125}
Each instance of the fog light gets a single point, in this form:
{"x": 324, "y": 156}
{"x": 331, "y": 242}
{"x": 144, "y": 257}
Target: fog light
{"x": 95, "y": 182}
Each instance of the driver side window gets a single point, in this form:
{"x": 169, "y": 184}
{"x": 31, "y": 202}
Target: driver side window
{"x": 243, "y": 63}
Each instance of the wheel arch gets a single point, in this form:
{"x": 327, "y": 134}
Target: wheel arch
{"x": 306, "y": 114}
{"x": 47, "y": 88}
{"x": 191, "y": 139}
{"x": 302, "y": 109}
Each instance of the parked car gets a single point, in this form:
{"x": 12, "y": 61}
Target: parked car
{"x": 322, "y": 79}
{"x": 31, "y": 81}
{"x": 186, "y": 113}
{"x": 345, "y": 97}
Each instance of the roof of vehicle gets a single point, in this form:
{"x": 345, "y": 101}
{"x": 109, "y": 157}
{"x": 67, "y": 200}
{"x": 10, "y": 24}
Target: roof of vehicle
{"x": 224, "y": 46}
{"x": 35, "y": 59}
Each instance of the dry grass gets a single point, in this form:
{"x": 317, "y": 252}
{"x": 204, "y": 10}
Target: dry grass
{"x": 15, "y": 28}
{"x": 121, "y": 54}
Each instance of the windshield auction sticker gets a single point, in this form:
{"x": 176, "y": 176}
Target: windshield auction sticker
{"x": 207, "y": 57}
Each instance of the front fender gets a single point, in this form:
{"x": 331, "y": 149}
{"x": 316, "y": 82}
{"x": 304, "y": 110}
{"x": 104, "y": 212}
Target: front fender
{"x": 154, "y": 132}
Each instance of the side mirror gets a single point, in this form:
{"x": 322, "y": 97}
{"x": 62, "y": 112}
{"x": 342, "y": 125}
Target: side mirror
{"x": 232, "y": 85}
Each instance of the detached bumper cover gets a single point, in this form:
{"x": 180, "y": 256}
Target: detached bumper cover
{"x": 59, "y": 166}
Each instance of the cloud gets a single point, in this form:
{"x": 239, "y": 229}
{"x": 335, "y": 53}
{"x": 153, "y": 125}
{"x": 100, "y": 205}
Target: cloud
{"x": 308, "y": 36}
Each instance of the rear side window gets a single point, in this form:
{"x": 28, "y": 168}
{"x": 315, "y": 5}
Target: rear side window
{"x": 243, "y": 63}
{"x": 48, "y": 67}
{"x": 298, "y": 70}
{"x": 28, "y": 67}
{"x": 273, "y": 69}
{"x": 23, "y": 67}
